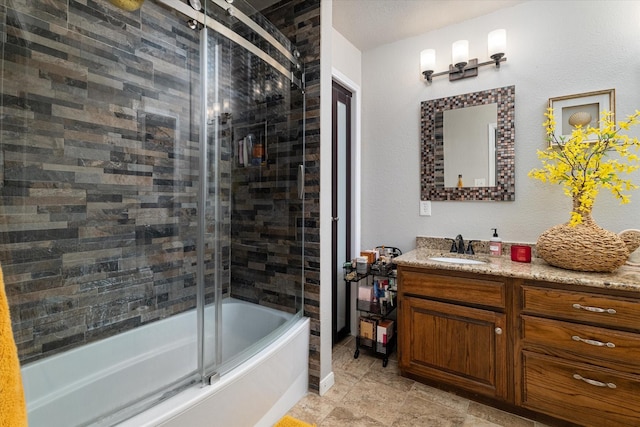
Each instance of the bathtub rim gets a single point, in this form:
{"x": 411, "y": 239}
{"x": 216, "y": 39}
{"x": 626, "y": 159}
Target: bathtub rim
{"x": 171, "y": 408}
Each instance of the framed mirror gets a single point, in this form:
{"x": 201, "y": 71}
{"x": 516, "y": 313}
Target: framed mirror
{"x": 467, "y": 146}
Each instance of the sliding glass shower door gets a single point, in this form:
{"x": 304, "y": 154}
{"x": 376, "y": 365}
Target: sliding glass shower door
{"x": 150, "y": 167}
{"x": 255, "y": 204}
{"x": 100, "y": 145}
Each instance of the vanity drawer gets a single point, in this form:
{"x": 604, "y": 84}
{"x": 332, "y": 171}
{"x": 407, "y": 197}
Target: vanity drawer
{"x": 580, "y": 393}
{"x": 601, "y": 346}
{"x": 467, "y": 290}
{"x": 582, "y": 307}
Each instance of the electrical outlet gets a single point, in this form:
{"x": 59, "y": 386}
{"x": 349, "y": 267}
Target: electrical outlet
{"x": 425, "y": 208}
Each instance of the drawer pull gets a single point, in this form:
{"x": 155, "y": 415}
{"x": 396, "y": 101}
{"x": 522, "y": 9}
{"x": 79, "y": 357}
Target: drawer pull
{"x": 593, "y": 342}
{"x": 498, "y": 331}
{"x": 594, "y": 382}
{"x": 594, "y": 309}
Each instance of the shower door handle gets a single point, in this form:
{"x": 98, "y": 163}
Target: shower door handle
{"x": 301, "y": 182}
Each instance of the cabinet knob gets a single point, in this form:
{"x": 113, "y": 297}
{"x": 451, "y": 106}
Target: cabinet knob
{"x": 498, "y": 331}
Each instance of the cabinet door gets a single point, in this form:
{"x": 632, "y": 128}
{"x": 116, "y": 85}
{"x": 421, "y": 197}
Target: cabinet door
{"x": 460, "y": 346}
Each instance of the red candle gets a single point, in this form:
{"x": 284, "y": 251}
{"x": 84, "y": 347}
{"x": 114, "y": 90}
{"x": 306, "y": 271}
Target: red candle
{"x": 521, "y": 253}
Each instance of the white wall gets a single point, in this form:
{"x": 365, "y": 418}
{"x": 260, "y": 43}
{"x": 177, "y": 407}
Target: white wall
{"x": 347, "y": 70}
{"x": 346, "y": 60}
{"x": 553, "y": 49}
{"x": 326, "y": 374}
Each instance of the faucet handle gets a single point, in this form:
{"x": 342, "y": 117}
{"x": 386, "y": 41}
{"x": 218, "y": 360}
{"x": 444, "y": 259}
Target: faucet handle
{"x": 460, "y": 243}
{"x": 469, "y": 250}
{"x": 454, "y": 247}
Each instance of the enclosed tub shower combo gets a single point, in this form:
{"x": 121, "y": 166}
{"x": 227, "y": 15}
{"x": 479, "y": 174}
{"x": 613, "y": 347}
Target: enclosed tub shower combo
{"x": 152, "y": 216}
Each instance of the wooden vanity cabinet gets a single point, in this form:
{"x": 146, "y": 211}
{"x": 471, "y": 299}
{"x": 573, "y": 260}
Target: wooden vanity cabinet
{"x": 453, "y": 329}
{"x": 579, "y": 354}
{"x": 565, "y": 353}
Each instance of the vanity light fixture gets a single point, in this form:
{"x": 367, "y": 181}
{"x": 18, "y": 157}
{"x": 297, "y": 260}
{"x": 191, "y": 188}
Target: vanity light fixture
{"x": 462, "y": 67}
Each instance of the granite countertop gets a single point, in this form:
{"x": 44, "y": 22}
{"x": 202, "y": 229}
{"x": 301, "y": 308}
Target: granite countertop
{"x": 625, "y": 278}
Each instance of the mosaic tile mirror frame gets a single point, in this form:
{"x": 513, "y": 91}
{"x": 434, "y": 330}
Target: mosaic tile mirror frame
{"x": 432, "y": 147}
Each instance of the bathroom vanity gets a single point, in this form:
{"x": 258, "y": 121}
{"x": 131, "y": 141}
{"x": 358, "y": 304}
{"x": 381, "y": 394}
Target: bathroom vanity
{"x": 528, "y": 337}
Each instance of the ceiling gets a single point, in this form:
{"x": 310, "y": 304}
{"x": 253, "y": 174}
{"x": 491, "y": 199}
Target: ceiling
{"x": 371, "y": 23}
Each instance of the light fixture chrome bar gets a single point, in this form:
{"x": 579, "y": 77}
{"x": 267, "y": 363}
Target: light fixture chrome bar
{"x": 462, "y": 67}
{"x": 236, "y": 38}
{"x": 469, "y": 70}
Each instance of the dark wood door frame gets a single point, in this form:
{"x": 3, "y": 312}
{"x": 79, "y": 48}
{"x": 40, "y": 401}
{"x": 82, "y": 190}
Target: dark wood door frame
{"x": 340, "y": 95}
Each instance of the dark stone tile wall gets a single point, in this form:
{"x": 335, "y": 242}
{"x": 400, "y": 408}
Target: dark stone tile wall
{"x": 100, "y": 162}
{"x": 100, "y": 150}
{"x": 300, "y": 21}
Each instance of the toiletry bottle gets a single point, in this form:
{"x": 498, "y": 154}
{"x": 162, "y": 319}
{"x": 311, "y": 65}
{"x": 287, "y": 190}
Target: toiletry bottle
{"x": 495, "y": 244}
{"x": 460, "y": 185}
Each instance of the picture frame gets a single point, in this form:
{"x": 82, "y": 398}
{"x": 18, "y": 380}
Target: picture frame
{"x": 592, "y": 103}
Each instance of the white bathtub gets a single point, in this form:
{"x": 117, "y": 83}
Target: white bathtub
{"x": 76, "y": 387}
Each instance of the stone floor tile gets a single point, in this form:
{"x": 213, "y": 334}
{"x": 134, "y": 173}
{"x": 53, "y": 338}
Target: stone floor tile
{"x": 389, "y": 376}
{"x": 420, "y": 412}
{"x": 497, "y": 416}
{"x": 374, "y": 399}
{"x": 472, "y": 421}
{"x": 344, "y": 417}
{"x": 312, "y": 409}
{"x": 365, "y": 394}
{"x": 342, "y": 386}
{"x": 355, "y": 368}
{"x": 439, "y": 396}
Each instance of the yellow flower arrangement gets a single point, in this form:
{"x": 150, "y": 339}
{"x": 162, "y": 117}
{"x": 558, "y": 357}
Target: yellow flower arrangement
{"x": 582, "y": 163}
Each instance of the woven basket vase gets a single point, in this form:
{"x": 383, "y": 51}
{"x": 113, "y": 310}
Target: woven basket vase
{"x": 584, "y": 247}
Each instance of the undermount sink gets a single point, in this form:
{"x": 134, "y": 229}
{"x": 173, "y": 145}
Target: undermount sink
{"x": 457, "y": 260}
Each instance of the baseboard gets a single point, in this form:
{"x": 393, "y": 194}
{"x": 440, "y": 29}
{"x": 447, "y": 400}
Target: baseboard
{"x": 326, "y": 383}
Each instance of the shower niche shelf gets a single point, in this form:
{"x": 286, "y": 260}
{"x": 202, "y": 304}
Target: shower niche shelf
{"x": 250, "y": 144}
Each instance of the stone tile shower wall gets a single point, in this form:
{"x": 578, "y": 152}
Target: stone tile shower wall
{"x": 299, "y": 20}
{"x": 100, "y": 146}
{"x": 100, "y": 161}
{"x": 266, "y": 239}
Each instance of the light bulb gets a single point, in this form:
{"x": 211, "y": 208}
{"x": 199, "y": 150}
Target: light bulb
{"x": 460, "y": 53}
{"x": 427, "y": 60}
{"x": 497, "y": 43}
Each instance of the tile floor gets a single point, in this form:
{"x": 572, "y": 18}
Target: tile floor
{"x": 366, "y": 394}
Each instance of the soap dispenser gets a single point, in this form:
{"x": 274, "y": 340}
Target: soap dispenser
{"x": 495, "y": 244}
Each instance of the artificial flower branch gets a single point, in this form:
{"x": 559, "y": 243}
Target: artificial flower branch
{"x": 582, "y": 165}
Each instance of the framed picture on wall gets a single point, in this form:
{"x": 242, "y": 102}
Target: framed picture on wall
{"x": 581, "y": 109}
